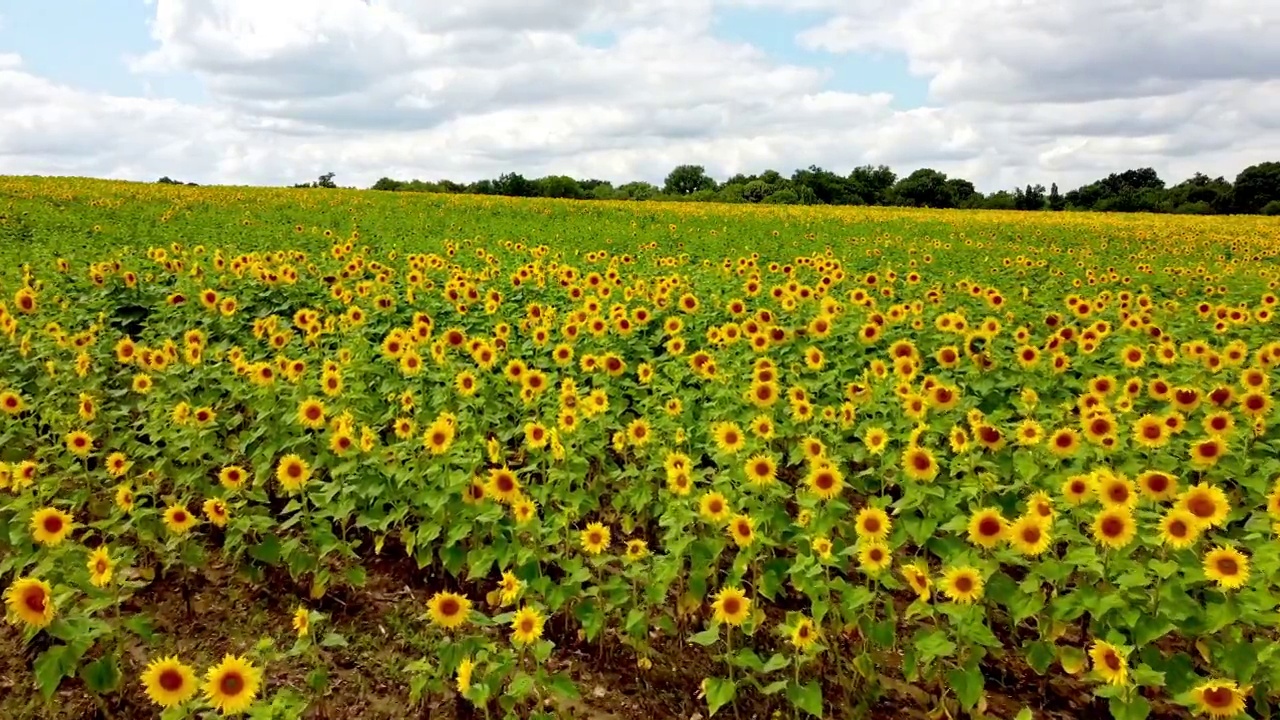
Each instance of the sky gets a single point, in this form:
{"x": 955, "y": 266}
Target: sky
{"x": 272, "y": 92}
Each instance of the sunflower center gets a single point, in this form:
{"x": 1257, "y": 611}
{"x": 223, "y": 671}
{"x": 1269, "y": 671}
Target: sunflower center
{"x": 1112, "y": 526}
{"x": 295, "y": 470}
{"x": 526, "y": 625}
{"x": 732, "y": 606}
{"x": 824, "y": 481}
{"x": 1031, "y": 534}
{"x": 170, "y": 680}
{"x": 34, "y": 599}
{"x": 871, "y": 524}
{"x": 1228, "y": 566}
{"x": 1218, "y": 697}
{"x": 1178, "y": 529}
{"x": 53, "y": 524}
{"x": 1209, "y": 449}
{"x": 1201, "y": 506}
{"x": 449, "y": 607}
{"x": 231, "y": 684}
{"x": 921, "y": 461}
{"x": 1112, "y": 662}
{"x": 1118, "y": 493}
{"x": 989, "y": 527}
{"x": 1151, "y": 432}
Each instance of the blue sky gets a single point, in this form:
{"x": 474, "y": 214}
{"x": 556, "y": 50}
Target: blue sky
{"x": 86, "y": 44}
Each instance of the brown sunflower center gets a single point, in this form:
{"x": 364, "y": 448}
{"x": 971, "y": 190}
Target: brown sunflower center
{"x": 170, "y": 680}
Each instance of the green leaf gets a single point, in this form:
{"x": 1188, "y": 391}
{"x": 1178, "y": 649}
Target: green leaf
{"x": 1147, "y": 677}
{"x": 564, "y": 686}
{"x": 774, "y": 687}
{"x": 932, "y": 645}
{"x": 267, "y": 551}
{"x": 1040, "y": 655}
{"x": 968, "y": 684}
{"x": 719, "y": 693}
{"x": 521, "y": 684}
{"x": 101, "y": 676}
{"x": 807, "y": 697}
{"x": 50, "y": 670}
{"x": 1136, "y": 709}
{"x": 710, "y": 636}
{"x": 775, "y": 663}
{"x": 1149, "y": 629}
{"x": 333, "y": 640}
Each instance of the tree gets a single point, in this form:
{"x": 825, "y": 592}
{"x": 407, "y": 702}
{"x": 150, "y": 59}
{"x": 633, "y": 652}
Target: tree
{"x": 514, "y": 185}
{"x": 961, "y": 190}
{"x": 687, "y": 180}
{"x": 387, "y": 183}
{"x": 324, "y": 181}
{"x": 827, "y": 187}
{"x": 638, "y": 191}
{"x": 925, "y": 187}
{"x": 558, "y": 186}
{"x": 755, "y": 191}
{"x": 871, "y": 185}
{"x": 1032, "y": 198}
{"x": 1257, "y": 186}
{"x": 1057, "y": 203}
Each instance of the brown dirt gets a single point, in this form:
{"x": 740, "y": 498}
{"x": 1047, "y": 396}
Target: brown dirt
{"x": 366, "y": 679}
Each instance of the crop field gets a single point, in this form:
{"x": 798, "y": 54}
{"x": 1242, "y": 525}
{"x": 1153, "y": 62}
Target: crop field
{"x": 328, "y": 453}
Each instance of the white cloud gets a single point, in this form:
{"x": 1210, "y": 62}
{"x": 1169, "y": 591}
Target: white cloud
{"x": 1020, "y": 91}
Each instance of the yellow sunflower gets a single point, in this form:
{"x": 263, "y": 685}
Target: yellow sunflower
{"x": 986, "y": 527}
{"x": 526, "y": 626}
{"x": 30, "y": 600}
{"x": 962, "y": 584}
{"x": 595, "y": 538}
{"x": 1227, "y": 566}
{"x": 292, "y": 472}
{"x": 50, "y": 526}
{"x": 731, "y": 606}
{"x": 872, "y": 524}
{"x": 100, "y": 566}
{"x": 1109, "y": 662}
{"x": 1219, "y": 699}
{"x": 231, "y": 685}
{"x": 178, "y": 520}
{"x": 1114, "y": 527}
{"x": 448, "y": 610}
{"x": 873, "y": 558}
{"x": 1029, "y": 535}
{"x": 169, "y": 682}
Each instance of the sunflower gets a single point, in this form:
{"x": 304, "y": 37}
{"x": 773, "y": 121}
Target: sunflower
{"x": 535, "y": 435}
{"x": 100, "y": 566}
{"x": 31, "y": 601}
{"x": 124, "y": 497}
{"x": 232, "y": 684}
{"x": 1179, "y": 529}
{"x": 824, "y": 480}
{"x": 1227, "y": 566}
{"x": 311, "y": 413}
{"x": 731, "y": 606}
{"x": 595, "y": 539}
{"x": 232, "y": 477}
{"x": 918, "y": 463}
{"x": 1219, "y": 698}
{"x": 1041, "y": 506}
{"x": 50, "y": 526}
{"x": 872, "y": 524}
{"x": 1158, "y": 486}
{"x": 1076, "y": 489}
{"x": 728, "y": 437}
{"x": 1114, "y": 527}
{"x": 761, "y": 470}
{"x": 1115, "y": 491}
{"x": 448, "y": 610}
{"x": 178, "y": 520}
{"x": 875, "y": 439}
{"x": 438, "y": 437}
{"x": 962, "y": 584}
{"x": 292, "y": 472}
{"x": 713, "y": 507}
{"x": 503, "y": 484}
{"x": 821, "y": 546}
{"x": 1206, "y": 452}
{"x": 1150, "y": 431}
{"x": 117, "y": 464}
{"x": 1029, "y": 433}
{"x": 636, "y": 550}
{"x": 873, "y": 558}
{"x": 1064, "y": 442}
{"x": 917, "y": 576}
{"x": 526, "y": 626}
{"x": 524, "y": 510}
{"x": 742, "y": 529}
{"x": 803, "y": 634}
{"x": 11, "y": 403}
{"x": 1028, "y": 535}
{"x": 79, "y": 443}
{"x": 216, "y": 511}
{"x": 1208, "y": 503}
{"x": 169, "y": 682}
{"x": 1109, "y": 662}
{"x": 986, "y": 527}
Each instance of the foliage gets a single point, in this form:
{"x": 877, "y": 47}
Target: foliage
{"x": 832, "y": 447}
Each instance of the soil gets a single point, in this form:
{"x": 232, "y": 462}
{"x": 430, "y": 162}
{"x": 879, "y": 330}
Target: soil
{"x": 367, "y": 681}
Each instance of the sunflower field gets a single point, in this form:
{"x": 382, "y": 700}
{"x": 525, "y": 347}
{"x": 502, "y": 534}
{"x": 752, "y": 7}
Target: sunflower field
{"x": 787, "y": 462}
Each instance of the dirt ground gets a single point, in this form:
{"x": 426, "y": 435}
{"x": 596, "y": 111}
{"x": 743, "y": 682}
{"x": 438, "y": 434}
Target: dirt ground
{"x": 367, "y": 678}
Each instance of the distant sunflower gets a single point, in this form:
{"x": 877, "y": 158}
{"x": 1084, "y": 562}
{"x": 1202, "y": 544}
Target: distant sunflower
{"x": 1114, "y": 527}
{"x": 824, "y": 480}
{"x": 1109, "y": 662}
{"x": 100, "y": 566}
{"x": 731, "y": 606}
{"x": 50, "y": 526}
{"x": 311, "y": 413}
{"x": 803, "y": 634}
{"x": 729, "y": 438}
{"x": 917, "y": 576}
{"x": 178, "y": 520}
{"x": 872, "y": 524}
{"x": 1227, "y": 566}
{"x": 1158, "y": 486}
{"x": 595, "y": 538}
{"x": 215, "y": 510}
{"x": 31, "y": 601}
{"x": 714, "y": 507}
{"x": 1219, "y": 698}
{"x": 761, "y": 470}
{"x": 231, "y": 685}
{"x": 79, "y": 443}
{"x": 986, "y": 527}
{"x": 1028, "y": 535}
{"x": 873, "y": 558}
{"x": 1179, "y": 529}
{"x": 292, "y": 472}
{"x": 918, "y": 463}
{"x": 1064, "y": 442}
{"x": 1208, "y": 503}
{"x": 232, "y": 477}
{"x": 1115, "y": 491}
{"x": 526, "y": 626}
{"x": 448, "y": 610}
{"x": 168, "y": 682}
{"x": 503, "y": 484}
{"x": 742, "y": 529}
{"x": 962, "y": 584}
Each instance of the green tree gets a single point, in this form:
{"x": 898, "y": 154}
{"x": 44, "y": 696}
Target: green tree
{"x": 1257, "y": 186}
{"x": 687, "y": 180}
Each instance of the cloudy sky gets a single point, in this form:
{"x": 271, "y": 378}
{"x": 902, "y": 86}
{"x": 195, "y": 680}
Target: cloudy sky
{"x": 1003, "y": 92}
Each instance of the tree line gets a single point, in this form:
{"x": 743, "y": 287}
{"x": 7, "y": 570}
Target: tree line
{"x": 1256, "y": 190}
